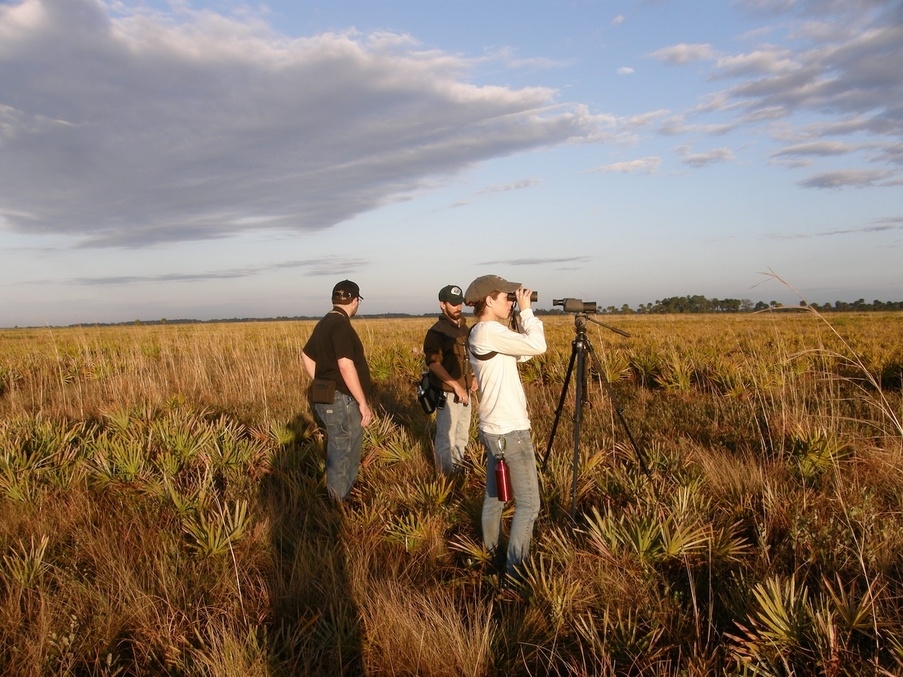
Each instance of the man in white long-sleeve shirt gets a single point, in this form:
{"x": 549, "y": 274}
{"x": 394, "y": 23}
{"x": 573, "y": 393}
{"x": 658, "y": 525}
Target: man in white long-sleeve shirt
{"x": 495, "y": 351}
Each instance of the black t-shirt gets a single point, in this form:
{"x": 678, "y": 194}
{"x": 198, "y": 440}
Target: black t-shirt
{"x": 334, "y": 338}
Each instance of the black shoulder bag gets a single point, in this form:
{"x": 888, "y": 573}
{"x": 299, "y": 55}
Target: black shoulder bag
{"x": 429, "y": 396}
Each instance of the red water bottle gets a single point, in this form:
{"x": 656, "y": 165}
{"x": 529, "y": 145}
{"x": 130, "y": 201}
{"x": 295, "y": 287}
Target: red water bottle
{"x": 502, "y": 480}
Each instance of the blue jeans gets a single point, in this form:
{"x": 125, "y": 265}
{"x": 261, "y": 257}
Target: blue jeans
{"x": 452, "y": 435}
{"x": 344, "y": 439}
{"x": 521, "y": 462}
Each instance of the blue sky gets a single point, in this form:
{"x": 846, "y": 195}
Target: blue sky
{"x": 219, "y": 159}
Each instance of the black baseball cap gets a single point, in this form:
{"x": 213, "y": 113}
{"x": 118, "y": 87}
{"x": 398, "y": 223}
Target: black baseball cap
{"x": 451, "y": 294}
{"x": 345, "y": 292}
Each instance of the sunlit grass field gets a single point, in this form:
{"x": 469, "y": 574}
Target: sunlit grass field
{"x": 163, "y": 507}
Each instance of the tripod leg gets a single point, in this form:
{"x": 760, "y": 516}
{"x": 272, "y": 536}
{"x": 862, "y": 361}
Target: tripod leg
{"x": 564, "y": 392}
{"x": 579, "y": 399}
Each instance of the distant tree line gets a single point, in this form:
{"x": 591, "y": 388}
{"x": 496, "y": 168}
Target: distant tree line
{"x": 673, "y": 304}
{"x": 701, "y": 304}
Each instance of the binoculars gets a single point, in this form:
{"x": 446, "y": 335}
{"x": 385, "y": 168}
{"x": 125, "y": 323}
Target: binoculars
{"x": 533, "y": 297}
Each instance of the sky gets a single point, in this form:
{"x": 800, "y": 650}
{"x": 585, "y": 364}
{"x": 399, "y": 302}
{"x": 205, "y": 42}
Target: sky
{"x": 215, "y": 159}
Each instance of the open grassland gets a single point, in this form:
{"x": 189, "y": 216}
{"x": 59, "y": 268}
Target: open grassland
{"x": 163, "y": 510}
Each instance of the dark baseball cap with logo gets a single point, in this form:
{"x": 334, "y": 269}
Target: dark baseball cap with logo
{"x": 345, "y": 292}
{"x": 451, "y": 294}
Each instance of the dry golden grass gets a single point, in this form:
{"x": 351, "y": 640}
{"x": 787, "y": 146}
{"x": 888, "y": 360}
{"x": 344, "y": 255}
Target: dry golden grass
{"x": 164, "y": 511}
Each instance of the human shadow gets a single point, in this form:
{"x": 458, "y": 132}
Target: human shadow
{"x": 314, "y": 626}
{"x": 399, "y": 400}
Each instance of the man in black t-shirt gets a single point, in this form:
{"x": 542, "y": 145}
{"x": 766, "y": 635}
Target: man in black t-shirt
{"x": 334, "y": 353}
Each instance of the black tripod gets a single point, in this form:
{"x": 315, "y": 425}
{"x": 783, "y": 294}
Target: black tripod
{"x": 579, "y": 349}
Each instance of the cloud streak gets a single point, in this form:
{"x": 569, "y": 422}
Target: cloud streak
{"x": 508, "y": 187}
{"x": 646, "y": 165}
{"x": 314, "y": 267}
{"x": 704, "y": 159}
{"x": 880, "y": 226}
{"x": 819, "y": 148}
{"x": 842, "y": 178}
{"x": 537, "y": 261}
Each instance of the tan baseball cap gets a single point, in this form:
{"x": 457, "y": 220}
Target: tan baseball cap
{"x": 485, "y": 285}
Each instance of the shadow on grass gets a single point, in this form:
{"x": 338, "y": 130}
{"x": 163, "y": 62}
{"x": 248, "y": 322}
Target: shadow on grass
{"x": 314, "y": 625}
{"x": 399, "y": 400}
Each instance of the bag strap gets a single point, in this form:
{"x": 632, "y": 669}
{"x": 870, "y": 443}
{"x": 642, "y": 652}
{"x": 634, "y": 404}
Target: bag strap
{"x": 484, "y": 356}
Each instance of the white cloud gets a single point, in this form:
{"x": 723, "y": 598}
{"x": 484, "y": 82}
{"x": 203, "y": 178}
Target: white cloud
{"x": 832, "y": 87}
{"x": 646, "y": 165}
{"x": 625, "y": 70}
{"x": 760, "y": 62}
{"x": 508, "y": 187}
{"x": 645, "y": 119}
{"x": 676, "y": 125}
{"x": 699, "y": 160}
{"x": 684, "y": 53}
{"x": 137, "y": 127}
{"x": 843, "y": 178}
{"x": 818, "y": 148}
{"x": 855, "y": 73}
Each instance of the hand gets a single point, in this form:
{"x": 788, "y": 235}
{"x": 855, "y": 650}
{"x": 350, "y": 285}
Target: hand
{"x": 366, "y": 414}
{"x": 523, "y": 298}
{"x": 461, "y": 395}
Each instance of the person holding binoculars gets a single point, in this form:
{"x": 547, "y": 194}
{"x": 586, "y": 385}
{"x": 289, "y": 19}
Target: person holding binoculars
{"x": 495, "y": 350}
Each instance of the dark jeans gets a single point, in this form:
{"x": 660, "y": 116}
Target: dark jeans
{"x": 344, "y": 439}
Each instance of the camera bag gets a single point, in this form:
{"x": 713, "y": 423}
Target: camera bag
{"x": 429, "y": 396}
{"x": 322, "y": 390}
